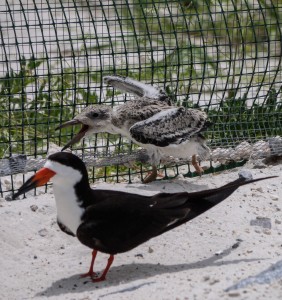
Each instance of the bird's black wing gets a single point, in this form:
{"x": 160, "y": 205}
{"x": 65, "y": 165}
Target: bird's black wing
{"x": 170, "y": 126}
{"x": 118, "y": 224}
{"x": 122, "y": 221}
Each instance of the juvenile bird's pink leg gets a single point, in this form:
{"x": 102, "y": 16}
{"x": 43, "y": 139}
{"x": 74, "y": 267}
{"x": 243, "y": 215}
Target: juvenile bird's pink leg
{"x": 196, "y": 165}
{"x": 152, "y": 176}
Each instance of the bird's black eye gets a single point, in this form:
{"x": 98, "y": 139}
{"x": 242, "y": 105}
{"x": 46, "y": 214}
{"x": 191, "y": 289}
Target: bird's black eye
{"x": 94, "y": 115}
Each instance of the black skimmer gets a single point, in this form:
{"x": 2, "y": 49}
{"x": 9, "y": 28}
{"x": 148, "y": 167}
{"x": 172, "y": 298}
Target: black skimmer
{"x": 150, "y": 121}
{"x": 112, "y": 221}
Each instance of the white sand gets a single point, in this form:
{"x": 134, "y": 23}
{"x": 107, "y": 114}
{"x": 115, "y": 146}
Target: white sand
{"x": 39, "y": 261}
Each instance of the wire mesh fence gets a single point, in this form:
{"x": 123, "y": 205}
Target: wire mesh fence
{"x": 220, "y": 56}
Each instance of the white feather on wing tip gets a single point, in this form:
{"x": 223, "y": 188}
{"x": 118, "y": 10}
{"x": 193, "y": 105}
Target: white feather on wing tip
{"x": 172, "y": 222}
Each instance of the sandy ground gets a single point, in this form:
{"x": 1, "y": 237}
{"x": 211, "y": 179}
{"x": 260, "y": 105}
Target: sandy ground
{"x": 228, "y": 252}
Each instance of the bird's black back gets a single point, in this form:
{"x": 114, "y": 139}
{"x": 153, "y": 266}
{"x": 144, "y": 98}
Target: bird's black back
{"x": 118, "y": 221}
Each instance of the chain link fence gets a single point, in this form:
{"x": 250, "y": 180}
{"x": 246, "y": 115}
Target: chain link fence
{"x": 220, "y": 56}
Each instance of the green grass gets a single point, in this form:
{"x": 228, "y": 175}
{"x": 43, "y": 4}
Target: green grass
{"x": 234, "y": 121}
{"x": 32, "y": 105}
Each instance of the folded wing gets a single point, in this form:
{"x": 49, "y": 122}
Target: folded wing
{"x": 171, "y": 126}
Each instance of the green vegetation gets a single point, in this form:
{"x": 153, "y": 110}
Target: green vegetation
{"x": 234, "y": 121}
{"x": 182, "y": 44}
{"x": 29, "y": 118}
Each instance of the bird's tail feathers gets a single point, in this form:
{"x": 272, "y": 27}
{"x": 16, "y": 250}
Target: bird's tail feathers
{"x": 200, "y": 202}
{"x": 215, "y": 196}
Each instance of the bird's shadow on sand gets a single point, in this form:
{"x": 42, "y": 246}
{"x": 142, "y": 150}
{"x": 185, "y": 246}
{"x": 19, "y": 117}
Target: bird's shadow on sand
{"x": 132, "y": 272}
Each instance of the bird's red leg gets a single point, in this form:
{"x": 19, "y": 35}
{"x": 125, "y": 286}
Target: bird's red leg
{"x": 103, "y": 276}
{"x": 91, "y": 273}
{"x": 196, "y": 165}
{"x": 152, "y": 176}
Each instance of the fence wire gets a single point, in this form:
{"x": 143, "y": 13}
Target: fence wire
{"x": 220, "y": 56}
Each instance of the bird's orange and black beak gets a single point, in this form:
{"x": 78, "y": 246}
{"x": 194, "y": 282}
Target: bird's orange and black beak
{"x": 38, "y": 179}
{"x": 78, "y": 136}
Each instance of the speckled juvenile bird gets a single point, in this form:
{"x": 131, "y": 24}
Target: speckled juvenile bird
{"x": 149, "y": 121}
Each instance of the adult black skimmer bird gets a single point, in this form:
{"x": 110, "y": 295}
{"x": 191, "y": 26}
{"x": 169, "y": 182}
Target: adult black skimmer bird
{"x": 149, "y": 121}
{"x": 112, "y": 221}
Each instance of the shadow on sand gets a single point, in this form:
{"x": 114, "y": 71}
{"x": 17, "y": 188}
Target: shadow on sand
{"x": 132, "y": 272}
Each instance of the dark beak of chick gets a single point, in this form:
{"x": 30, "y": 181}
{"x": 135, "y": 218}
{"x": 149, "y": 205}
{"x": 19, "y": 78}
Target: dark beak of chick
{"x": 78, "y": 136}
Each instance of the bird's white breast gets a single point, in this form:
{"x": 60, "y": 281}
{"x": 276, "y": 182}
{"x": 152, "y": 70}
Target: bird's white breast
{"x": 68, "y": 210}
{"x": 183, "y": 150}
